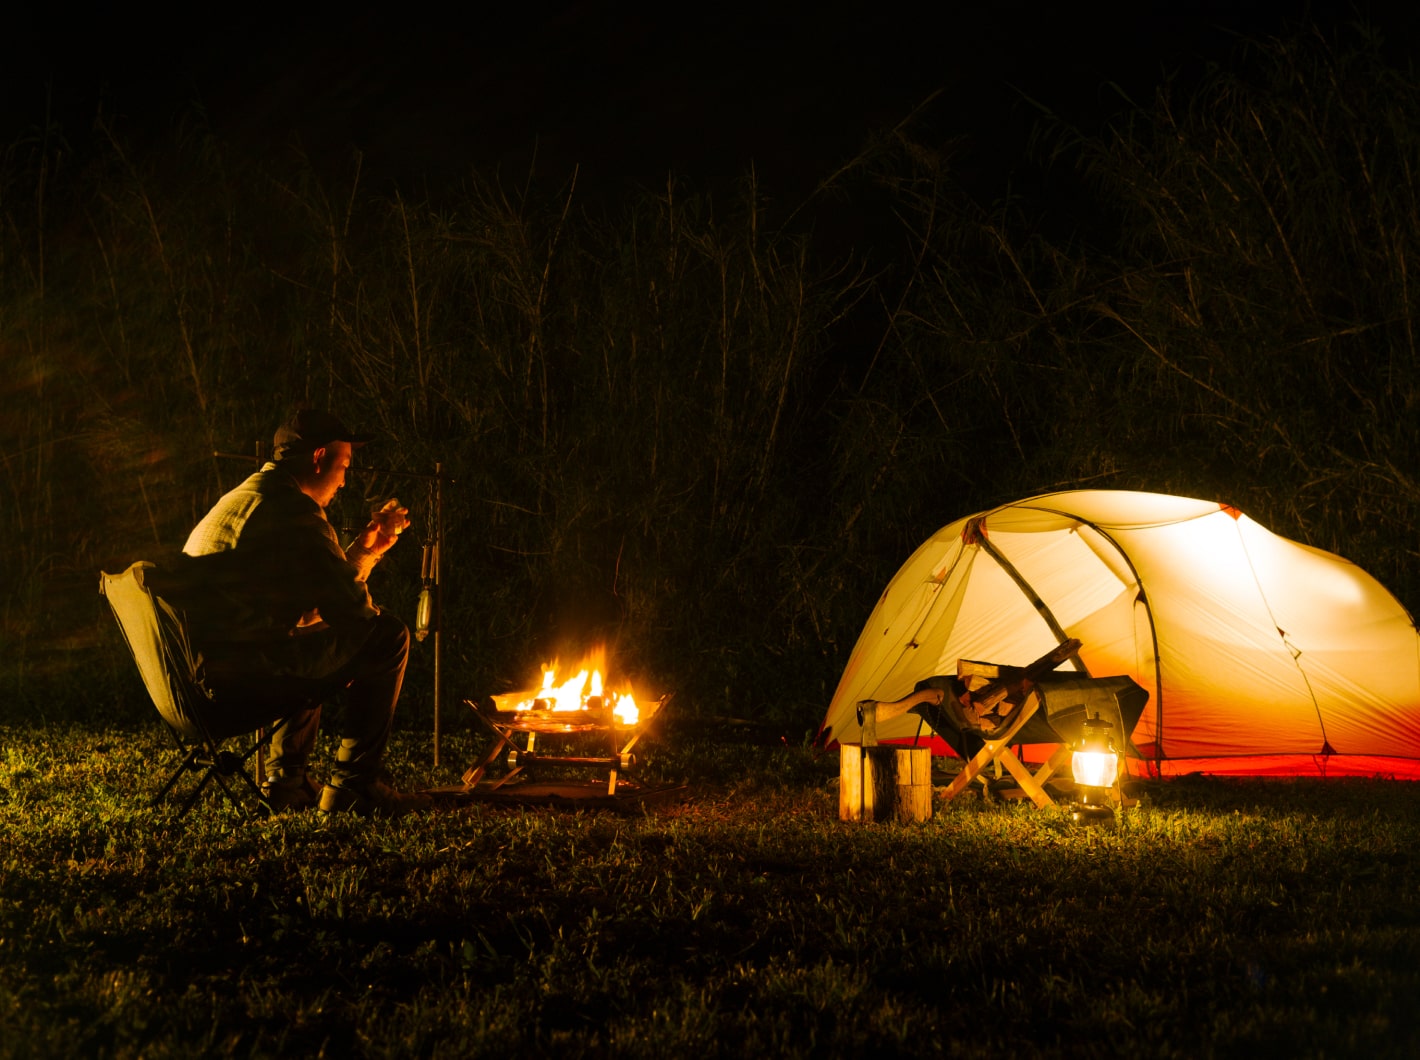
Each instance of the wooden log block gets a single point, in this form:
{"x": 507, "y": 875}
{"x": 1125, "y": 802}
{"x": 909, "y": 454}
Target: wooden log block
{"x": 854, "y": 769}
{"x": 912, "y": 770}
{"x": 884, "y": 783}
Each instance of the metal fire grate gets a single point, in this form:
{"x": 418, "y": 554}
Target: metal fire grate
{"x": 594, "y": 739}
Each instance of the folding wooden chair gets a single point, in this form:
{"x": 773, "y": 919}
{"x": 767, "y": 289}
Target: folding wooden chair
{"x": 988, "y": 708}
{"x": 995, "y": 740}
{"x": 1003, "y": 706}
{"x": 157, "y": 638}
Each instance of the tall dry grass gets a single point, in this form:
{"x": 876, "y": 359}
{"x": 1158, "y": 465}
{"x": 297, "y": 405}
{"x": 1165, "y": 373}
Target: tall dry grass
{"x": 1232, "y": 316}
{"x": 624, "y": 402}
{"x": 1264, "y": 278}
{"x": 680, "y": 423}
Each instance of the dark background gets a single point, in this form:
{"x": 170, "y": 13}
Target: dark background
{"x": 169, "y": 289}
{"x": 627, "y": 94}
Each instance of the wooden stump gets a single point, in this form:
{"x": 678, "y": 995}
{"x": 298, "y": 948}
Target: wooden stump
{"x": 884, "y": 783}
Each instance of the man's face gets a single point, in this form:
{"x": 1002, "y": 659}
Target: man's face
{"x": 329, "y": 473}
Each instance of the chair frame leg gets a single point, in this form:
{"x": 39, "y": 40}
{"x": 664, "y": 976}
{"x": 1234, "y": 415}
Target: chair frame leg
{"x": 217, "y": 766}
{"x": 996, "y": 749}
{"x": 189, "y": 762}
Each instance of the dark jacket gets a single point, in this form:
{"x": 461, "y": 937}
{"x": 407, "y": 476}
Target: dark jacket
{"x": 263, "y": 557}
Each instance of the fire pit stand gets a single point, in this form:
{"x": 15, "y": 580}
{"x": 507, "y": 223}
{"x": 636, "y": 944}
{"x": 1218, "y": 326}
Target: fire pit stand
{"x": 507, "y": 726}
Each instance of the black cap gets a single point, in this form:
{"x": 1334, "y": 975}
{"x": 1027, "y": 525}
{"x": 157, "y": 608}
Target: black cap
{"x": 310, "y": 429}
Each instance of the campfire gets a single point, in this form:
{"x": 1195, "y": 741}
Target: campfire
{"x": 585, "y": 706}
{"x": 586, "y": 691}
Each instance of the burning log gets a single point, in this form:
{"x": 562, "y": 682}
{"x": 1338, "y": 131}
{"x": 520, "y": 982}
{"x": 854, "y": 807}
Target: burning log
{"x": 580, "y": 705}
{"x": 584, "y": 691}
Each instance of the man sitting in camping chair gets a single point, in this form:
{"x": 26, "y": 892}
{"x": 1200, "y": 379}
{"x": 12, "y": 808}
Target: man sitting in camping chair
{"x": 282, "y": 615}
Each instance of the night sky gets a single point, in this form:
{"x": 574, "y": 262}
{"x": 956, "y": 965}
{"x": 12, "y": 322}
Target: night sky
{"x": 795, "y": 88}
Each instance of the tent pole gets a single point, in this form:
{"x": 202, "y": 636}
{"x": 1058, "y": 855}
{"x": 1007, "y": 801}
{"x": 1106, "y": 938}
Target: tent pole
{"x": 1031, "y": 595}
{"x": 1143, "y": 598}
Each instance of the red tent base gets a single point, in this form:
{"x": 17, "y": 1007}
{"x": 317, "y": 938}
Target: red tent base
{"x": 1324, "y": 766}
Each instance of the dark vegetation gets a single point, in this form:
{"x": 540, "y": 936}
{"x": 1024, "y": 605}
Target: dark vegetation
{"x": 708, "y": 430}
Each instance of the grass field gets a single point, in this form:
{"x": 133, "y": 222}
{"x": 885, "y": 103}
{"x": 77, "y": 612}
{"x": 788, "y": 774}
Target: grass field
{"x": 1219, "y": 918}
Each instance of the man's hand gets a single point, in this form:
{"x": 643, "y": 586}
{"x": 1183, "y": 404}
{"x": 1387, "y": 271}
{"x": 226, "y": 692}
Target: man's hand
{"x": 384, "y": 529}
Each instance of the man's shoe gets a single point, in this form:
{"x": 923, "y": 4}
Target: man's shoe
{"x": 290, "y": 793}
{"x": 372, "y": 798}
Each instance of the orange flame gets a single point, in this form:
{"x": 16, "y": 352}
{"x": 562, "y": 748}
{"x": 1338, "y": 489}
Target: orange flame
{"x": 584, "y": 691}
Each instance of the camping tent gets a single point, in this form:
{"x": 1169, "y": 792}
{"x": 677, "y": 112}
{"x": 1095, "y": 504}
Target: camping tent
{"x": 1260, "y": 655}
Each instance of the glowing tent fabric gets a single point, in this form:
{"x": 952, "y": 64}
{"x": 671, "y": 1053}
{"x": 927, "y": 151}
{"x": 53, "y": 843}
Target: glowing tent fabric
{"x": 1260, "y": 655}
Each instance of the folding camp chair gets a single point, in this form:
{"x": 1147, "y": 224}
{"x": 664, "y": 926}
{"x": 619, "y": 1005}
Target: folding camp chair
{"x": 157, "y": 637}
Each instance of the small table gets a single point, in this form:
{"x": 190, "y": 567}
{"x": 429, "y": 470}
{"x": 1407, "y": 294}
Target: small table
{"x": 601, "y": 725}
